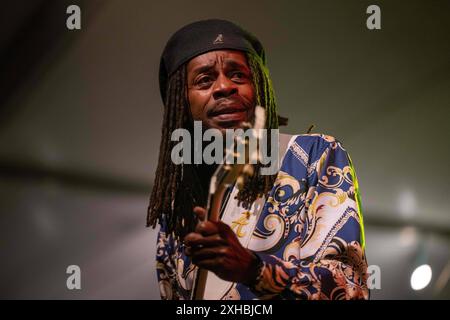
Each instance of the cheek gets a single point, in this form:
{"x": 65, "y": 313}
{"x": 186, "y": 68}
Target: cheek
{"x": 197, "y": 104}
{"x": 249, "y": 93}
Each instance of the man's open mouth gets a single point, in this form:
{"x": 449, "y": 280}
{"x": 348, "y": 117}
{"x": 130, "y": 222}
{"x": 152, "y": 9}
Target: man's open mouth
{"x": 227, "y": 110}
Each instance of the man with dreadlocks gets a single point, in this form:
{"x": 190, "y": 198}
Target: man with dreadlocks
{"x": 297, "y": 234}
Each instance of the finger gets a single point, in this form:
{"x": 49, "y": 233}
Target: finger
{"x": 223, "y": 229}
{"x": 208, "y": 253}
{"x": 201, "y": 213}
{"x": 195, "y": 240}
{"x": 207, "y": 228}
{"x": 191, "y": 236}
{"x": 214, "y": 264}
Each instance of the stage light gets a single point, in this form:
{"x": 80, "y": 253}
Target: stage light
{"x": 421, "y": 277}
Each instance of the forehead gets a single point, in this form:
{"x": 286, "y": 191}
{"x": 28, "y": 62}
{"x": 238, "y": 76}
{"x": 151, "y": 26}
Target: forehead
{"x": 217, "y": 56}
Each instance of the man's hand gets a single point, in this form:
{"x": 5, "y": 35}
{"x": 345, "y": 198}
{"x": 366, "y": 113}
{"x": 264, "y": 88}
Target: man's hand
{"x": 215, "y": 247}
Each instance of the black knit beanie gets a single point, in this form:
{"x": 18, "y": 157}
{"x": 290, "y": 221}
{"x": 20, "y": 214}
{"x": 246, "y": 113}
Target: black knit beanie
{"x": 200, "y": 37}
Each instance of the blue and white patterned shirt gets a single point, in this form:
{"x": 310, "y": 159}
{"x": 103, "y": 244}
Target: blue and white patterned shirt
{"x": 309, "y": 235}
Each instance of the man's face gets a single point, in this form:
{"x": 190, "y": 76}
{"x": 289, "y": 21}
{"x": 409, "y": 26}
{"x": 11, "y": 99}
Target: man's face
{"x": 220, "y": 89}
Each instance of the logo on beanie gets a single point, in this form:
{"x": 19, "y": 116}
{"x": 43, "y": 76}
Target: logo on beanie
{"x": 219, "y": 39}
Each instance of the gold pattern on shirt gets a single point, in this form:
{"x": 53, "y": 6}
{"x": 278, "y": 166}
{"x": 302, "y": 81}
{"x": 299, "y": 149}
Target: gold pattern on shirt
{"x": 239, "y": 223}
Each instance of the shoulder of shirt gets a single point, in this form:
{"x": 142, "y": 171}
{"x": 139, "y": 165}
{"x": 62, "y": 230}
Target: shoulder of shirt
{"x": 315, "y": 144}
{"x": 317, "y": 138}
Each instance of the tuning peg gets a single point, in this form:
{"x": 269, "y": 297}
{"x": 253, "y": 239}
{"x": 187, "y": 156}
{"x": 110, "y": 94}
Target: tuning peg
{"x": 248, "y": 170}
{"x": 246, "y": 125}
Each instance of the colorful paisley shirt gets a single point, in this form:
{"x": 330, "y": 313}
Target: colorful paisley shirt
{"x": 310, "y": 232}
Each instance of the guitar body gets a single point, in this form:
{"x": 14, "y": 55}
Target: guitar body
{"x": 243, "y": 222}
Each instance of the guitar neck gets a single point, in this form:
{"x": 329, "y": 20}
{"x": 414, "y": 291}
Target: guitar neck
{"x": 198, "y": 290}
{"x": 214, "y": 205}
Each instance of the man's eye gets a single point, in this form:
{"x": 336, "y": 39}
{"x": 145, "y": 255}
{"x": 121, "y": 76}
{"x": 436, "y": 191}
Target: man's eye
{"x": 204, "y": 80}
{"x": 239, "y": 75}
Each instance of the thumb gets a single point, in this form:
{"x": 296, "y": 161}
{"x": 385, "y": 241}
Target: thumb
{"x": 201, "y": 213}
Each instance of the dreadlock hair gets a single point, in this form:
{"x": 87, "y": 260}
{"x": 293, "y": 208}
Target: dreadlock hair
{"x": 177, "y": 188}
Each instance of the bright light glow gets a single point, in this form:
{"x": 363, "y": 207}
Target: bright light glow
{"x": 421, "y": 277}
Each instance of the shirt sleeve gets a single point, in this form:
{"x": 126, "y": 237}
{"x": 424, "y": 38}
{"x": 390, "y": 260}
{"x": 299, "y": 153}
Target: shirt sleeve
{"x": 165, "y": 268}
{"x": 331, "y": 263}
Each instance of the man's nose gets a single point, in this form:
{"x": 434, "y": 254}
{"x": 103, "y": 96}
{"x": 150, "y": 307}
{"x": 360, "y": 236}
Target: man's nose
{"x": 224, "y": 87}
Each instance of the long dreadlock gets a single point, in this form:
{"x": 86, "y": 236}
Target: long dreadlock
{"x": 177, "y": 188}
